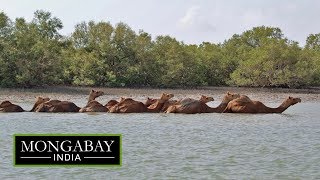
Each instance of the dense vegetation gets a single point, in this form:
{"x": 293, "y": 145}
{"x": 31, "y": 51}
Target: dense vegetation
{"x": 99, "y": 54}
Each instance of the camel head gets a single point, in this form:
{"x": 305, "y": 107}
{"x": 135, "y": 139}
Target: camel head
{"x": 5, "y": 103}
{"x": 94, "y": 94}
{"x": 229, "y": 97}
{"x": 40, "y": 100}
{"x": 150, "y": 101}
{"x": 165, "y": 97}
{"x": 292, "y": 101}
{"x": 206, "y": 99}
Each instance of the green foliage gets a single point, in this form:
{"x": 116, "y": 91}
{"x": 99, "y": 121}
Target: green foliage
{"x": 274, "y": 63}
{"x": 313, "y": 42}
{"x": 100, "y": 54}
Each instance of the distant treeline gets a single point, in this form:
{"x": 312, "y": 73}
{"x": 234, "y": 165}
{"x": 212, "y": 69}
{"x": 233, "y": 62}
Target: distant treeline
{"x": 99, "y": 54}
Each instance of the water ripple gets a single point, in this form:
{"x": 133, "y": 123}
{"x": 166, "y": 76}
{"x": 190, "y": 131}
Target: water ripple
{"x": 175, "y": 146}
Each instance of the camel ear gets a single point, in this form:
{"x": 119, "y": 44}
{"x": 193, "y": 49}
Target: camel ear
{"x": 228, "y": 93}
{"x": 290, "y": 97}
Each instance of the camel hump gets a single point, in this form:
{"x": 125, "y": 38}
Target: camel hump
{"x": 52, "y": 102}
{"x": 126, "y": 101}
{"x": 7, "y": 106}
{"x": 243, "y": 99}
{"x": 93, "y": 103}
{"x": 187, "y": 101}
{"x": 128, "y": 105}
{"x": 111, "y": 103}
{"x": 5, "y": 103}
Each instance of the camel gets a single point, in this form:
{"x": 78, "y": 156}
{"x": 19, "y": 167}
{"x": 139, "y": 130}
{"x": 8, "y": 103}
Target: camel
{"x": 7, "y": 106}
{"x": 168, "y": 104}
{"x": 39, "y": 100}
{"x": 150, "y": 101}
{"x": 189, "y": 106}
{"x": 129, "y": 105}
{"x": 158, "y": 105}
{"x": 47, "y": 105}
{"x": 112, "y": 103}
{"x": 176, "y": 102}
{"x": 192, "y": 106}
{"x": 92, "y": 104}
{"x": 244, "y": 104}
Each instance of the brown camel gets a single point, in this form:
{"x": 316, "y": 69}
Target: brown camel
{"x": 112, "y": 103}
{"x": 47, "y": 105}
{"x": 168, "y": 104}
{"x": 39, "y": 100}
{"x": 176, "y": 102}
{"x": 192, "y": 106}
{"x": 150, "y": 101}
{"x": 7, "y": 106}
{"x": 129, "y": 105}
{"x": 93, "y": 105}
{"x": 158, "y": 105}
{"x": 245, "y": 105}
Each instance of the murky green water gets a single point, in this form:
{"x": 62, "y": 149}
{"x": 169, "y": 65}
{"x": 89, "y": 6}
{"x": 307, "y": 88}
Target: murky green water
{"x": 201, "y": 146}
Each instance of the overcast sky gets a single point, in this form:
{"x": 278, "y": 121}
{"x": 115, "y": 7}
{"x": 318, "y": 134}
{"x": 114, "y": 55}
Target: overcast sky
{"x": 192, "y": 21}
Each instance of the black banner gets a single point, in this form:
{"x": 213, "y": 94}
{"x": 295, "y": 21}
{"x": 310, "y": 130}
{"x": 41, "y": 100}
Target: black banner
{"x": 67, "y": 149}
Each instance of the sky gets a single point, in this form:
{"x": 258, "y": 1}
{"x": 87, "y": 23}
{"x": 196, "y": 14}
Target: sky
{"x": 191, "y": 21}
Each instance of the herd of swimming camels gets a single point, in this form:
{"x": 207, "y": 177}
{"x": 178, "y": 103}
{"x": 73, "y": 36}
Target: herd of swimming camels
{"x": 231, "y": 103}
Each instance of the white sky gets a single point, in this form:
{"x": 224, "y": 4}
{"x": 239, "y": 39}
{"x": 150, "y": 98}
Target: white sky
{"x": 192, "y": 21}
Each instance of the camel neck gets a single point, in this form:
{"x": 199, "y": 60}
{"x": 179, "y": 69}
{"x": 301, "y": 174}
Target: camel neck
{"x": 156, "y": 107}
{"x": 283, "y": 106}
{"x": 91, "y": 98}
{"x": 218, "y": 109}
{"x": 34, "y": 106}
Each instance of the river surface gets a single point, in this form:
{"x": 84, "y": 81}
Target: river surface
{"x": 176, "y": 146}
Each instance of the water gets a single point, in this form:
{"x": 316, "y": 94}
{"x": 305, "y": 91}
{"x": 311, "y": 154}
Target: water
{"x": 175, "y": 146}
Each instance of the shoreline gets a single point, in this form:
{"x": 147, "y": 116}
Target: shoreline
{"x": 80, "y": 94}
{"x": 125, "y": 90}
